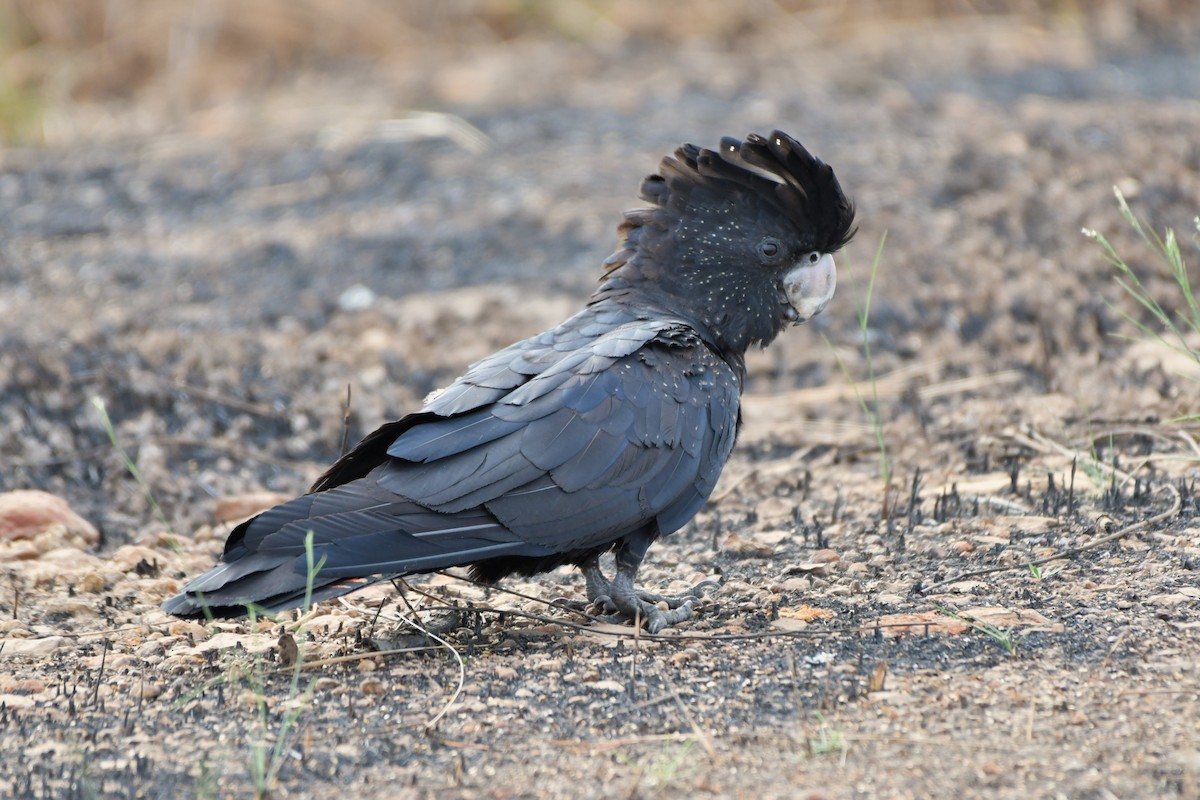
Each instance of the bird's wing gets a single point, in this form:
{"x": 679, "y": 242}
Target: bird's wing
{"x": 634, "y": 427}
{"x": 598, "y": 334}
{"x": 605, "y": 332}
{"x": 627, "y": 428}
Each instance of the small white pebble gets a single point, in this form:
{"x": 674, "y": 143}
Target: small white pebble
{"x": 356, "y": 298}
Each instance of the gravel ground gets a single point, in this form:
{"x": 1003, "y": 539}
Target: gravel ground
{"x": 219, "y": 286}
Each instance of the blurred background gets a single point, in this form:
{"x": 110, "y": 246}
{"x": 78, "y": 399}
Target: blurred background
{"x": 67, "y": 66}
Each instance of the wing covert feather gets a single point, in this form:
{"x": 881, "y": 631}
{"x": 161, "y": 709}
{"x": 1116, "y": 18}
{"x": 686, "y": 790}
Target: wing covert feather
{"x": 578, "y": 437}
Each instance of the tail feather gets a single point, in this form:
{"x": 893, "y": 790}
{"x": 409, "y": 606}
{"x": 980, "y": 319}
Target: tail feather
{"x": 272, "y": 592}
{"x": 355, "y": 540}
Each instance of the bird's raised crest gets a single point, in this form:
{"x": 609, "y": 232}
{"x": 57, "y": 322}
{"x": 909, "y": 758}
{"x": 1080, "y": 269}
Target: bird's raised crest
{"x": 777, "y": 169}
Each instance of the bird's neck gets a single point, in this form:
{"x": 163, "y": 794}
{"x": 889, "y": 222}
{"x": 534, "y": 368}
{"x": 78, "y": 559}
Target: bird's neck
{"x": 656, "y": 296}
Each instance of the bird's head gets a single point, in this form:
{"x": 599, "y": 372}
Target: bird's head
{"x": 738, "y": 240}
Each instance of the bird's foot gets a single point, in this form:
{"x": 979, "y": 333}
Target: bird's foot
{"x": 654, "y": 617}
{"x": 654, "y": 611}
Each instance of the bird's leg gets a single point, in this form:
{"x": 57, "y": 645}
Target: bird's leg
{"x": 622, "y": 600}
{"x": 600, "y": 589}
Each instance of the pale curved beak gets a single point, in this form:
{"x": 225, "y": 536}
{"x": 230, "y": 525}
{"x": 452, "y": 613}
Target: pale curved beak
{"x": 809, "y": 287}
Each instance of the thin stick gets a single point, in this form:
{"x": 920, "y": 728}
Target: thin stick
{"x": 701, "y": 736}
{"x": 637, "y": 638}
{"x": 346, "y": 423}
{"x": 100, "y": 674}
{"x": 1120, "y": 640}
{"x": 92, "y": 453}
{"x": 788, "y": 465}
{"x": 1191, "y": 441}
{"x": 213, "y": 396}
{"x": 462, "y": 666}
{"x": 325, "y": 662}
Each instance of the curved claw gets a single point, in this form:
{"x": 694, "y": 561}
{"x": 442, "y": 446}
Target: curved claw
{"x": 569, "y": 604}
{"x": 604, "y": 601}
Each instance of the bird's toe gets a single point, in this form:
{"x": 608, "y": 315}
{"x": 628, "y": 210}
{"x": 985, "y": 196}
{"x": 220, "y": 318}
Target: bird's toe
{"x": 658, "y": 619}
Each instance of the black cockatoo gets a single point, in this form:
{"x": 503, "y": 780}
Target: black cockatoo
{"x": 603, "y": 433}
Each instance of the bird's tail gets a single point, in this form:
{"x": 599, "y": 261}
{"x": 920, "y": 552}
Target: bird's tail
{"x": 260, "y": 595}
{"x": 325, "y": 544}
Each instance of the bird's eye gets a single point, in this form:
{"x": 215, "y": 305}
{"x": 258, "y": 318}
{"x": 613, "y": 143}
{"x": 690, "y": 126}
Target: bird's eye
{"x": 769, "y": 249}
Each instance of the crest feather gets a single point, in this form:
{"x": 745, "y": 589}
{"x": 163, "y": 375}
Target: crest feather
{"x": 776, "y": 168}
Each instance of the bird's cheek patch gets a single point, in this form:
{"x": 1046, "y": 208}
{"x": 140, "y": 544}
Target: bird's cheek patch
{"x": 809, "y": 287}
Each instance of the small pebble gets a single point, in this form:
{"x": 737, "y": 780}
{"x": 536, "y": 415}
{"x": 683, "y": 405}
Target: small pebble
{"x": 607, "y": 686}
{"x": 356, "y": 298}
{"x": 684, "y": 656}
{"x": 149, "y": 649}
{"x": 93, "y": 582}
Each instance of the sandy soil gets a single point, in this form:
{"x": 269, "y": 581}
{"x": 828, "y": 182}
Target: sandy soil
{"x": 219, "y": 286}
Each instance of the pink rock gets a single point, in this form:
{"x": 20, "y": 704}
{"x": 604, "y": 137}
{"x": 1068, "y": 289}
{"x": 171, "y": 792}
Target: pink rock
{"x": 28, "y": 513}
